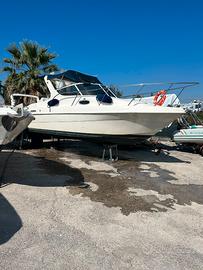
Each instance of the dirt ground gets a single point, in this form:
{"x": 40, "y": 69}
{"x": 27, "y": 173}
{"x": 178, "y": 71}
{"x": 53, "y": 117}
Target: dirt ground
{"x": 63, "y": 207}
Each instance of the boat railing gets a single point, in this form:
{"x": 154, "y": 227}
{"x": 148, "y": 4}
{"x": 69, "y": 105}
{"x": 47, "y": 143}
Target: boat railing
{"x": 21, "y": 95}
{"x": 138, "y": 95}
{"x": 191, "y": 118}
{"x": 155, "y": 88}
{"x": 183, "y": 122}
{"x": 79, "y": 92}
{"x": 19, "y": 109}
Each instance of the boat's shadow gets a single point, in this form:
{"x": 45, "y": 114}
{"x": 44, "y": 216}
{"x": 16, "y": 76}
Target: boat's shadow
{"x": 140, "y": 152}
{"x": 30, "y": 170}
{"x": 10, "y": 222}
{"x": 25, "y": 169}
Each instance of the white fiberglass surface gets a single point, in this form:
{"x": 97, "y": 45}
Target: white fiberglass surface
{"x": 7, "y": 110}
{"x": 73, "y": 105}
{"x": 103, "y": 123}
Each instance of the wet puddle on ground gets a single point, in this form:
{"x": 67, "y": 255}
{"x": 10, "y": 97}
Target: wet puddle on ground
{"x": 131, "y": 184}
{"x": 134, "y": 191}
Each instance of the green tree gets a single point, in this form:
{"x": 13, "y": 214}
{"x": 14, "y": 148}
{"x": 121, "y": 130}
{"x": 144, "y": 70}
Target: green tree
{"x": 26, "y": 63}
{"x": 115, "y": 90}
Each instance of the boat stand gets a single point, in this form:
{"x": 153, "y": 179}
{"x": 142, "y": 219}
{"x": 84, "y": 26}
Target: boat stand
{"x": 112, "y": 150}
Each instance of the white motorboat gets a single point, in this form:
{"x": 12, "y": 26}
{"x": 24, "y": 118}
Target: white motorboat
{"x": 191, "y": 135}
{"x": 12, "y": 122}
{"x": 80, "y": 106}
{"x": 191, "y": 132}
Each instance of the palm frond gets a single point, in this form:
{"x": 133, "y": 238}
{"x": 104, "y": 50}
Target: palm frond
{"x": 8, "y": 69}
{"x": 50, "y": 68}
{"x": 27, "y": 62}
{"x": 9, "y": 61}
{"x": 14, "y": 51}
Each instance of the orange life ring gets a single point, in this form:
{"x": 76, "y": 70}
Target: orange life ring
{"x": 160, "y": 101}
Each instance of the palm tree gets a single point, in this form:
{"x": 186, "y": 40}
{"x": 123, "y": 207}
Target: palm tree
{"x": 25, "y": 65}
{"x": 115, "y": 90}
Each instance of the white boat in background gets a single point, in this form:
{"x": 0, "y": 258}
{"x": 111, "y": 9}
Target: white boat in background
{"x": 80, "y": 106}
{"x": 190, "y": 133}
{"x": 12, "y": 122}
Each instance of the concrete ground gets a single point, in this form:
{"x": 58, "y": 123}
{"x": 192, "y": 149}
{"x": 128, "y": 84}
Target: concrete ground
{"x": 142, "y": 212}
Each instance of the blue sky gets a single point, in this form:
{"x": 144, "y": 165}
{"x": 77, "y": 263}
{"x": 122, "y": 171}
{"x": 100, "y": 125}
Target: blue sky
{"x": 121, "y": 41}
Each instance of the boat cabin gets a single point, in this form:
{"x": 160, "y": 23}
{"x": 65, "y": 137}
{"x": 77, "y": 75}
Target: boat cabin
{"x": 74, "y": 83}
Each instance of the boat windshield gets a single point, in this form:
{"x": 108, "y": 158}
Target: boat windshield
{"x": 84, "y": 89}
{"x": 90, "y": 89}
{"x": 93, "y": 89}
{"x": 68, "y": 91}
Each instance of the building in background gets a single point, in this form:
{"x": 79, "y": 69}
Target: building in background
{"x": 195, "y": 106}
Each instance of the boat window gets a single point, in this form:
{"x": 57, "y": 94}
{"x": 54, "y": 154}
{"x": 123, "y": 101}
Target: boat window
{"x": 68, "y": 91}
{"x": 58, "y": 84}
{"x": 90, "y": 89}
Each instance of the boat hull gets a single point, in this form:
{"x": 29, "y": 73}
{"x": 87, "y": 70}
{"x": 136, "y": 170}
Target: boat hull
{"x": 106, "y": 126}
{"x": 7, "y": 136}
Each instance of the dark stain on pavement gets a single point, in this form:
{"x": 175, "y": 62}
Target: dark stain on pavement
{"x": 114, "y": 191}
{"x": 48, "y": 170}
{"x": 43, "y": 170}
